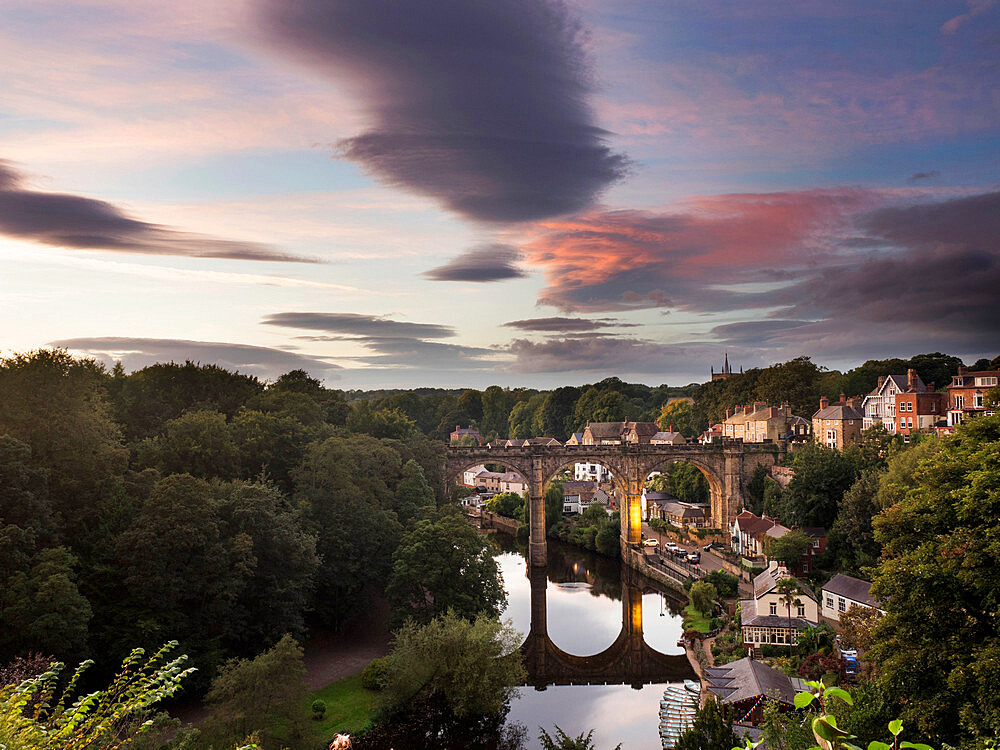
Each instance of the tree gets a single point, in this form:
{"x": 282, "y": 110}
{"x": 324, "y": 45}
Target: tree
{"x": 822, "y": 476}
{"x": 856, "y": 626}
{"x": 688, "y": 484}
{"x": 703, "y": 595}
{"x": 557, "y": 412}
{"x": 726, "y": 584}
{"x": 796, "y": 381}
{"x": 790, "y": 547}
{"x": 554, "y": 504}
{"x": 473, "y": 666}
{"x": 755, "y": 490}
{"x": 26, "y": 518}
{"x": 785, "y": 731}
{"x": 852, "y": 537}
{"x": 508, "y": 504}
{"x": 678, "y": 415}
{"x": 608, "y": 538}
{"x": 43, "y": 610}
{"x": 443, "y": 565}
{"x": 710, "y": 730}
{"x": 563, "y": 741}
{"x": 788, "y": 590}
{"x": 495, "y": 412}
{"x": 937, "y": 582}
{"x": 414, "y": 498}
{"x": 380, "y": 423}
{"x": 259, "y": 695}
{"x": 269, "y": 444}
{"x": 197, "y": 443}
{"x": 936, "y": 368}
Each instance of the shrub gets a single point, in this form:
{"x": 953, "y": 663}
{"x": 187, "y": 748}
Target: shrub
{"x": 375, "y": 676}
{"x": 318, "y": 708}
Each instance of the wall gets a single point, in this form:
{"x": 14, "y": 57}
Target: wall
{"x": 498, "y": 523}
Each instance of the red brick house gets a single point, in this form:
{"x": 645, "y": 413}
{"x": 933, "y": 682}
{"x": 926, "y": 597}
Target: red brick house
{"x": 919, "y": 409}
{"x": 967, "y": 393}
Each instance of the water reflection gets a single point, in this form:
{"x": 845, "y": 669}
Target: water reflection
{"x": 601, "y": 643}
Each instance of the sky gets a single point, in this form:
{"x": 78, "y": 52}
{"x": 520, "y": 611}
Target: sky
{"x": 407, "y": 193}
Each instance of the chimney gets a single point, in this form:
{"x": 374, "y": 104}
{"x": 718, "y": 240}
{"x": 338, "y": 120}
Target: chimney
{"x": 843, "y": 397}
{"x": 727, "y": 413}
{"x": 770, "y": 412}
{"x": 930, "y": 387}
{"x": 759, "y": 405}
{"x": 911, "y": 380}
{"x": 823, "y": 402}
{"x": 746, "y": 411}
{"x": 962, "y": 370}
{"x": 458, "y": 427}
{"x": 881, "y": 380}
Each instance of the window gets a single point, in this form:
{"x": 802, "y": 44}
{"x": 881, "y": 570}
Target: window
{"x": 802, "y": 611}
{"x": 959, "y": 402}
{"x": 909, "y": 422}
{"x": 841, "y": 604}
{"x": 829, "y": 602}
{"x": 977, "y": 400}
{"x": 774, "y": 608}
{"x": 831, "y": 438}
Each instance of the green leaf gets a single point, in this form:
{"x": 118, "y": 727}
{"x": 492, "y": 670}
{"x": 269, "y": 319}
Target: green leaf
{"x": 836, "y": 692}
{"x": 915, "y": 746}
{"x": 803, "y": 699}
{"x": 895, "y": 726}
{"x": 825, "y": 727}
{"x": 878, "y": 746}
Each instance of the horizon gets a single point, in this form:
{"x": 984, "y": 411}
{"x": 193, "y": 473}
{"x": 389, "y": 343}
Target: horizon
{"x": 529, "y": 193}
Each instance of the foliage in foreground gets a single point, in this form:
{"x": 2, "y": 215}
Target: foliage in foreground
{"x": 563, "y": 741}
{"x": 36, "y": 715}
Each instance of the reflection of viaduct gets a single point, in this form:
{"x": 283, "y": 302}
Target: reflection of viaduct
{"x": 627, "y": 661}
{"x": 727, "y": 465}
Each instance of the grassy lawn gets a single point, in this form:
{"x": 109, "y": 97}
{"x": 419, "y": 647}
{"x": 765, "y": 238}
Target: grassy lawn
{"x": 694, "y": 620}
{"x": 348, "y": 705}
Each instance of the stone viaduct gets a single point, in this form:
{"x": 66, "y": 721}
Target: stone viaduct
{"x": 727, "y": 465}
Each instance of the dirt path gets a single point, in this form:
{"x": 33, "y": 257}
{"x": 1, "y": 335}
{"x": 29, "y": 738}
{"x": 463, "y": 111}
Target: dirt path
{"x": 330, "y": 657}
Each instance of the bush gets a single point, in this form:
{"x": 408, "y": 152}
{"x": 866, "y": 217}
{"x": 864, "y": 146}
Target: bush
{"x": 318, "y": 708}
{"x": 375, "y": 676}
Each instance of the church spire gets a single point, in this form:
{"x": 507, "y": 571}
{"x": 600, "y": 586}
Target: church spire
{"x": 725, "y": 365}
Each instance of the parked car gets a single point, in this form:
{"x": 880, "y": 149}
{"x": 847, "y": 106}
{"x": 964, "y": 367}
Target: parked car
{"x": 709, "y": 547}
{"x": 694, "y": 557}
{"x": 650, "y": 543}
{"x": 671, "y": 546}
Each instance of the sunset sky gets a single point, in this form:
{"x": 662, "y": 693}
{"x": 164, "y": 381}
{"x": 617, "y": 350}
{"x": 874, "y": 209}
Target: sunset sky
{"x": 402, "y": 193}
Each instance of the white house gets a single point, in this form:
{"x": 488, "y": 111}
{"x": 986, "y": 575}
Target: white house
{"x": 586, "y": 472}
{"x": 578, "y": 503}
{"x": 843, "y": 592}
{"x": 879, "y": 406}
{"x": 766, "y": 619}
{"x": 469, "y": 475}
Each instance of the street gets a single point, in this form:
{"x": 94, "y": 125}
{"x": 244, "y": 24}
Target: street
{"x": 709, "y": 561}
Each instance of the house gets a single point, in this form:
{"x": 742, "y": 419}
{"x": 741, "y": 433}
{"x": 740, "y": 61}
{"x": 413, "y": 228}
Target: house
{"x": 747, "y": 533}
{"x": 967, "y": 393}
{"x": 466, "y": 436}
{"x": 879, "y": 406}
{"x": 546, "y": 441}
{"x": 575, "y": 439}
{"x": 667, "y": 438}
{"x": 843, "y": 592}
{"x": 760, "y": 423}
{"x": 919, "y": 410}
{"x": 515, "y": 443}
{"x": 766, "y": 619}
{"x": 668, "y": 508}
{"x": 588, "y": 472}
{"x": 577, "y": 503}
{"x": 744, "y": 684}
{"x": 837, "y": 425}
{"x": 511, "y": 481}
{"x": 799, "y": 430}
{"x": 639, "y": 433}
{"x": 603, "y": 433}
{"x": 469, "y": 475}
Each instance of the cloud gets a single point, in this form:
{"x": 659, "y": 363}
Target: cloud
{"x": 72, "y": 221}
{"x": 566, "y": 325}
{"x": 480, "y": 105}
{"x": 354, "y": 324}
{"x": 494, "y": 262}
{"x": 976, "y": 7}
{"x": 606, "y": 354}
{"x": 924, "y": 175}
{"x": 136, "y": 353}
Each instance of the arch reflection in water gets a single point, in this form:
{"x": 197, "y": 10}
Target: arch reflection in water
{"x": 629, "y": 660}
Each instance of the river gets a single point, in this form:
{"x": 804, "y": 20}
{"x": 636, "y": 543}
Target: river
{"x": 589, "y": 606}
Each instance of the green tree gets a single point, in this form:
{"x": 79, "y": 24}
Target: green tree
{"x": 608, "y": 538}
{"x": 442, "y": 565}
{"x": 508, "y": 504}
{"x": 726, "y": 584}
{"x": 556, "y": 415}
{"x": 852, "y": 538}
{"x": 26, "y": 518}
{"x": 261, "y": 696}
{"x": 822, "y": 476}
{"x": 688, "y": 484}
{"x": 197, "y": 443}
{"x": 711, "y": 730}
{"x": 937, "y": 582}
{"x": 554, "y": 504}
{"x": 796, "y": 381}
{"x": 703, "y": 596}
{"x": 785, "y": 731}
{"x": 42, "y": 610}
{"x": 790, "y": 547}
{"x": 269, "y": 444}
{"x": 563, "y": 741}
{"x": 495, "y": 412}
{"x": 413, "y": 498}
{"x": 472, "y": 667}
{"x": 380, "y": 423}
{"x": 755, "y": 490}
{"x": 288, "y": 403}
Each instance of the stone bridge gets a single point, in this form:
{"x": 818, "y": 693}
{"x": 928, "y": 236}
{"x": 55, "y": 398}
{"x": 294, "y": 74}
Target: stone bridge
{"x": 726, "y": 464}
{"x": 627, "y": 661}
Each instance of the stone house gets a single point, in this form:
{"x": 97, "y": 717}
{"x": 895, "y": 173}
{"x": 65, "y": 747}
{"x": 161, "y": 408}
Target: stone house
{"x": 843, "y": 592}
{"x": 761, "y": 423}
{"x": 765, "y": 617}
{"x": 667, "y": 438}
{"x": 837, "y": 425}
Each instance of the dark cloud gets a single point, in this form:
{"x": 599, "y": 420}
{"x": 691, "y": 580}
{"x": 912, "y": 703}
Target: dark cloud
{"x": 136, "y": 353}
{"x": 484, "y": 263}
{"x": 481, "y": 105}
{"x": 605, "y": 354}
{"x": 63, "y": 220}
{"x": 924, "y": 175}
{"x": 566, "y": 325}
{"x": 353, "y": 324}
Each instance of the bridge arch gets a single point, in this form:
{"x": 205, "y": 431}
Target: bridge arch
{"x": 716, "y": 482}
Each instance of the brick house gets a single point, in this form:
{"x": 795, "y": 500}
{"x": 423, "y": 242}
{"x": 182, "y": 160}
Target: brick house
{"x": 967, "y": 393}
{"x": 837, "y": 425}
{"x": 879, "y": 406}
{"x": 919, "y": 410}
{"x": 466, "y": 436}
